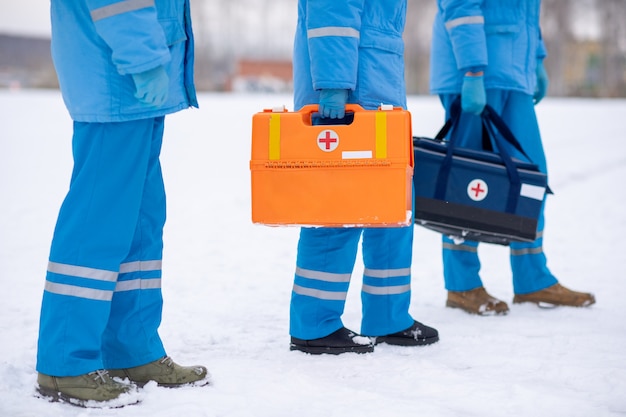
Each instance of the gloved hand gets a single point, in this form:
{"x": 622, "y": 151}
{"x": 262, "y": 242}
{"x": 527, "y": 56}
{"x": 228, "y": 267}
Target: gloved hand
{"x": 152, "y": 86}
{"x": 542, "y": 82}
{"x": 333, "y": 103}
{"x": 473, "y": 96}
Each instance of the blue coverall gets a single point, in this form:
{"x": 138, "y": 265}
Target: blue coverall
{"x": 503, "y": 38}
{"x": 355, "y": 45}
{"x": 102, "y": 301}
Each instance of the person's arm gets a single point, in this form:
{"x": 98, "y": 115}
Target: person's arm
{"x": 541, "y": 89}
{"x": 138, "y": 44}
{"x": 333, "y": 31}
{"x": 465, "y": 25}
{"x": 132, "y": 31}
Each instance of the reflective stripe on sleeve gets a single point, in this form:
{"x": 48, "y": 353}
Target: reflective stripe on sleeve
{"x": 346, "y": 32}
{"x": 119, "y": 8}
{"x": 466, "y": 20}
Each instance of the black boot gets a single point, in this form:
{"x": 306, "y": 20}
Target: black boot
{"x": 416, "y": 335}
{"x": 341, "y": 341}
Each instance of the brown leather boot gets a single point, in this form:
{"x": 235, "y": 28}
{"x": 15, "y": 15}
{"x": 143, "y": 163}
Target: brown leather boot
{"x": 476, "y": 301}
{"x": 556, "y": 295}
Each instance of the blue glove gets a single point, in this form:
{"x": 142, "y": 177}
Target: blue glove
{"x": 473, "y": 96}
{"x": 542, "y": 82}
{"x": 152, "y": 86}
{"x": 333, "y": 103}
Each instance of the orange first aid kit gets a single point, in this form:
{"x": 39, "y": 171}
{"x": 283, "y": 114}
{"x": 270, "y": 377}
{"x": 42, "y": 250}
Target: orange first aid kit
{"x": 355, "y": 174}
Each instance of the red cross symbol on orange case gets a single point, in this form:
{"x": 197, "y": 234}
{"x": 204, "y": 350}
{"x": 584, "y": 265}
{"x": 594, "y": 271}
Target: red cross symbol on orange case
{"x": 477, "y": 190}
{"x": 328, "y": 140}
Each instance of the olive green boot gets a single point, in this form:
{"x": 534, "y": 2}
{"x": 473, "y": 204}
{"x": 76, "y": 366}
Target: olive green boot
{"x": 166, "y": 373}
{"x": 95, "y": 389}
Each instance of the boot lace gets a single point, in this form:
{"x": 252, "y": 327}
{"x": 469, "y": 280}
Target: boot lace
{"x": 167, "y": 361}
{"x": 100, "y": 374}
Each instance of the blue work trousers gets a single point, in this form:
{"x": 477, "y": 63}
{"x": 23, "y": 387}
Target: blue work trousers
{"x": 102, "y": 301}
{"x": 324, "y": 266}
{"x": 461, "y": 264}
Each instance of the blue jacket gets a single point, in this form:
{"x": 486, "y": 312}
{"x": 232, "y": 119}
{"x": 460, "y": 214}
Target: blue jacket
{"x": 98, "y": 44}
{"x": 350, "y": 44}
{"x": 500, "y": 36}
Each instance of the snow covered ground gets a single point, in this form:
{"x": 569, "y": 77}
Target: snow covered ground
{"x": 227, "y": 282}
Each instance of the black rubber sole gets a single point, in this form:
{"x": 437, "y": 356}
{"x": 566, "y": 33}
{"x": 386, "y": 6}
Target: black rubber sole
{"x": 319, "y": 350}
{"x": 406, "y": 341}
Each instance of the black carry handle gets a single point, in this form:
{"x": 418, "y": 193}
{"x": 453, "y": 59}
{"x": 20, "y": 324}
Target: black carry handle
{"x": 511, "y": 169}
{"x": 490, "y": 120}
{"x": 455, "y": 114}
{"x": 494, "y": 118}
{"x": 489, "y": 114}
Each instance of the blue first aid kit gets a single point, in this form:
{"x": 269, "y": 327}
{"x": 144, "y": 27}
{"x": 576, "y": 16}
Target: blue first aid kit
{"x": 474, "y": 194}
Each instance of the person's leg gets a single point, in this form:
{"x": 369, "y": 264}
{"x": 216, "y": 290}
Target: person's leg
{"x": 461, "y": 264}
{"x": 528, "y": 262}
{"x": 324, "y": 266}
{"x": 386, "y": 291}
{"x": 93, "y": 235}
{"x": 532, "y": 279}
{"x": 131, "y": 337}
{"x": 530, "y": 265}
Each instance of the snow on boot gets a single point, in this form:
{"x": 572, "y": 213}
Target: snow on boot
{"x": 556, "y": 295}
{"x": 476, "y": 301}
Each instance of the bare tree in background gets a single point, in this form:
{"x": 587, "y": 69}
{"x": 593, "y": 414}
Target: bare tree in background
{"x": 613, "y": 44}
{"x": 417, "y": 37}
{"x": 588, "y": 64}
{"x": 227, "y": 30}
{"x": 556, "y": 27}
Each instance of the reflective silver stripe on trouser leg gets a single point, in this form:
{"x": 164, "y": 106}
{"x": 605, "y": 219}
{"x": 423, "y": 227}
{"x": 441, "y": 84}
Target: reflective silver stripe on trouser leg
{"x": 139, "y": 283}
{"x": 461, "y": 247}
{"x": 322, "y": 277}
{"x": 86, "y": 275}
{"x": 386, "y": 274}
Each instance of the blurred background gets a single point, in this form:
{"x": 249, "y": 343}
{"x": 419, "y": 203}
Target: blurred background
{"x": 245, "y": 45}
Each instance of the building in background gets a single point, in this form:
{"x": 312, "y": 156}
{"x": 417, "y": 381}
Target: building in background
{"x": 246, "y": 45}
{"x": 25, "y": 63}
{"x": 261, "y": 76}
